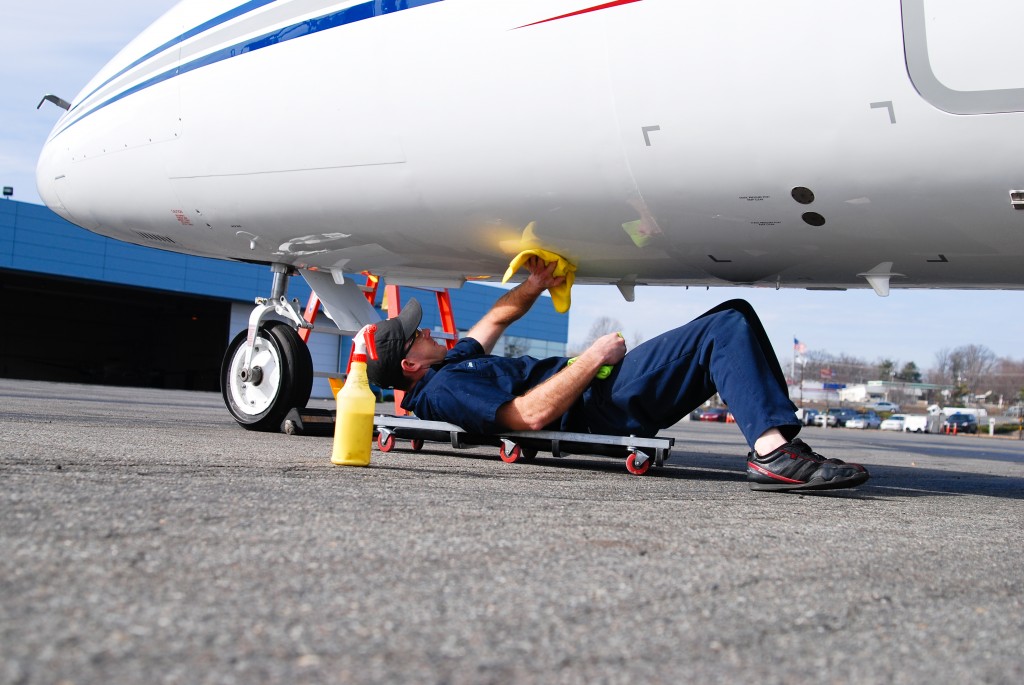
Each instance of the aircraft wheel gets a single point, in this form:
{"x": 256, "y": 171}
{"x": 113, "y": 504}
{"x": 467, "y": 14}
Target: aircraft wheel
{"x": 386, "y": 444}
{"x": 633, "y": 468}
{"x": 280, "y": 379}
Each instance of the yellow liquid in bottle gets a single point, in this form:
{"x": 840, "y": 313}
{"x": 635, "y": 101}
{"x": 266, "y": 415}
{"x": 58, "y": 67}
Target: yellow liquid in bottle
{"x": 353, "y": 429}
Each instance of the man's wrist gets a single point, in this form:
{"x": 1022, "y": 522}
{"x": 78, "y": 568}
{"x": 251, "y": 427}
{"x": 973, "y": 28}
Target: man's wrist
{"x": 530, "y": 288}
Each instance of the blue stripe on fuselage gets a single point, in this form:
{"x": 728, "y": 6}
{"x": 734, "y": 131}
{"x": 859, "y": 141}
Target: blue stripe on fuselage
{"x": 350, "y": 15}
{"x": 206, "y": 26}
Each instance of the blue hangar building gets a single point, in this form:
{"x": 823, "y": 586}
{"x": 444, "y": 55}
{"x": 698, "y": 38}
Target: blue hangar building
{"x": 97, "y": 310}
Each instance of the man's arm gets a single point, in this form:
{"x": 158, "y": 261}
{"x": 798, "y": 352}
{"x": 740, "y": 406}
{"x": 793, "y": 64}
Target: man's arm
{"x": 552, "y": 398}
{"x": 511, "y": 306}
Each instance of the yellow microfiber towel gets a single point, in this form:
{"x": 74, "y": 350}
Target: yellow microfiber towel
{"x": 559, "y": 294}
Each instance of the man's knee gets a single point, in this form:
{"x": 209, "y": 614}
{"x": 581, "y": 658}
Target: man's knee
{"x": 739, "y": 306}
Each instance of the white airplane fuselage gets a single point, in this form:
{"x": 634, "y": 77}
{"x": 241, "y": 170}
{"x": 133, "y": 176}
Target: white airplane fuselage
{"x": 787, "y": 144}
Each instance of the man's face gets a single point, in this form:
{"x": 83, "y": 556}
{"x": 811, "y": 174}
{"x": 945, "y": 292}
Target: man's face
{"x": 425, "y": 349}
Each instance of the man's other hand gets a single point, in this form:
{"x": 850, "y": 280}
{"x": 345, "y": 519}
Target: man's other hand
{"x": 610, "y": 349}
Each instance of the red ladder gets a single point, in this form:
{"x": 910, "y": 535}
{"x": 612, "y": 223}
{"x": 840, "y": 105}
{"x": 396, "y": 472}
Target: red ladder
{"x": 393, "y": 301}
{"x": 444, "y": 306}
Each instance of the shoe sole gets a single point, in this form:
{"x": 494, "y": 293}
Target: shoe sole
{"x": 837, "y": 484}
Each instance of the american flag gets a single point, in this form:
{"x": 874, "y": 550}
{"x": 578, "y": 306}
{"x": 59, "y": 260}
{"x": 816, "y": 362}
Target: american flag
{"x": 799, "y": 347}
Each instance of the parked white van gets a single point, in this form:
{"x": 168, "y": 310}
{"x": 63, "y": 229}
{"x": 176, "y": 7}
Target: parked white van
{"x": 929, "y": 423}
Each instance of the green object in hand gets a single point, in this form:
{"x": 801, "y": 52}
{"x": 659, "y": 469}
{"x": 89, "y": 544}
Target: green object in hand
{"x": 602, "y": 373}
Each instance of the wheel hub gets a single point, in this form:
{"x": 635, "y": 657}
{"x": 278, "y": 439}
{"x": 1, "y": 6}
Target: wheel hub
{"x": 253, "y": 375}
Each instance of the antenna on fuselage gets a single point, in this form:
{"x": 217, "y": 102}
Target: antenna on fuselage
{"x": 60, "y": 102}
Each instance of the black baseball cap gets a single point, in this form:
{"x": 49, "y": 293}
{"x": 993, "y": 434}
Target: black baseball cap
{"x": 391, "y": 338}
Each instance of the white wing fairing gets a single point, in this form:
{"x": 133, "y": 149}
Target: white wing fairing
{"x": 785, "y": 144}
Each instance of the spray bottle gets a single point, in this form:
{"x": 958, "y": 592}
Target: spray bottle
{"x": 353, "y": 427}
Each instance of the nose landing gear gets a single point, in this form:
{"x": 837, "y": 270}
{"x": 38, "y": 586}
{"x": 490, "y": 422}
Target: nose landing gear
{"x": 268, "y": 373}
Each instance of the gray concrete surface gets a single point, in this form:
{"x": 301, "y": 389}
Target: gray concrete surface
{"x": 147, "y": 539}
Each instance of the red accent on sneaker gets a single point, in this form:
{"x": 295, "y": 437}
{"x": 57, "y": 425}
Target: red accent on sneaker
{"x": 765, "y": 472}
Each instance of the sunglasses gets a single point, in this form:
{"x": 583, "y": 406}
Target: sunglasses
{"x": 411, "y": 342}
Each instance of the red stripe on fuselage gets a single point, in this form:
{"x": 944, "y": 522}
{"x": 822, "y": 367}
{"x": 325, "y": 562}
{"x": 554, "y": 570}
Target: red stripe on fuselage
{"x": 603, "y": 6}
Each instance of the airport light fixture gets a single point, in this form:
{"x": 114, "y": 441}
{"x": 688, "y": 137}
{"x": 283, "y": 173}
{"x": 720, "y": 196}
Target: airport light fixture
{"x": 8, "y": 191}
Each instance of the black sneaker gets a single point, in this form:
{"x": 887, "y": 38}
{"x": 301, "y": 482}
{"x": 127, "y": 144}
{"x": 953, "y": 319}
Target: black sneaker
{"x": 795, "y": 466}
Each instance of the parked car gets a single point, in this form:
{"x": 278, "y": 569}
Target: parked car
{"x": 807, "y": 415}
{"x": 894, "y": 423}
{"x": 962, "y": 423}
{"x": 868, "y": 419}
{"x": 835, "y": 417}
{"x": 715, "y": 414}
{"x": 882, "y": 405}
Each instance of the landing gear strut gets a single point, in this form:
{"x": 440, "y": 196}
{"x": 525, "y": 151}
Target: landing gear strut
{"x": 267, "y": 369}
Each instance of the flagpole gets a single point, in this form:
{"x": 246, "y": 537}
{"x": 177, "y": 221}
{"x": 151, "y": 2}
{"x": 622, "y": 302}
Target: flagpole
{"x": 792, "y": 363}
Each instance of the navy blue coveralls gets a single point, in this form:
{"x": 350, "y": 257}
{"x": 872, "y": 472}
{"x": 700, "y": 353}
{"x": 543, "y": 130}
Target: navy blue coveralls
{"x": 725, "y": 350}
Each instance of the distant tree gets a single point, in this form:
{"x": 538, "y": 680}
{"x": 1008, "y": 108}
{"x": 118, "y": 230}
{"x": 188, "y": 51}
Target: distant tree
{"x": 603, "y": 326}
{"x": 886, "y": 369}
{"x": 909, "y": 374}
{"x": 600, "y": 327}
{"x": 974, "y": 362}
{"x": 850, "y": 369}
{"x": 516, "y": 347}
{"x": 814, "y": 362}
{"x": 843, "y": 368}
{"x": 967, "y": 368}
{"x": 1006, "y": 380}
{"x": 940, "y": 373}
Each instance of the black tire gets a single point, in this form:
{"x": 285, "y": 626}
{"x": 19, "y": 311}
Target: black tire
{"x": 286, "y": 383}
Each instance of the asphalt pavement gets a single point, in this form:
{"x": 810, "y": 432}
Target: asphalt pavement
{"x": 146, "y": 538}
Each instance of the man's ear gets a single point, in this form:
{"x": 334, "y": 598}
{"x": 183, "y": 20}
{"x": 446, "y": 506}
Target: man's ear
{"x": 410, "y": 366}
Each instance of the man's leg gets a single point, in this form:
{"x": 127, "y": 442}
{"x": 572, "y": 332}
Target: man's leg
{"x": 725, "y": 350}
{"x": 773, "y": 438}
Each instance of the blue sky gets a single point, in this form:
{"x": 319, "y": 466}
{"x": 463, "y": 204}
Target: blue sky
{"x": 55, "y": 46}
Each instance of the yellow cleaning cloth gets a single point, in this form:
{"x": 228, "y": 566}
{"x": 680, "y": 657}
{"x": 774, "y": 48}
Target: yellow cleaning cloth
{"x": 560, "y": 293}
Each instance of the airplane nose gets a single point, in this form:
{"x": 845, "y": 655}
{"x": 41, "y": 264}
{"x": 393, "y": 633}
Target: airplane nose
{"x": 50, "y": 175}
{"x": 59, "y": 187}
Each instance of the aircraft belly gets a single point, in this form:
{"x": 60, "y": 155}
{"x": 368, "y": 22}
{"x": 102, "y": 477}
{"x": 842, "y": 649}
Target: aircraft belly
{"x": 807, "y": 167}
{"x": 652, "y": 142}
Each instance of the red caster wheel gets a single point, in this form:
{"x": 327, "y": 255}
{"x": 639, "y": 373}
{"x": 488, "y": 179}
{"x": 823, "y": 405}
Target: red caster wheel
{"x": 633, "y": 468}
{"x": 386, "y": 444}
{"x": 510, "y": 457}
{"x": 417, "y": 444}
